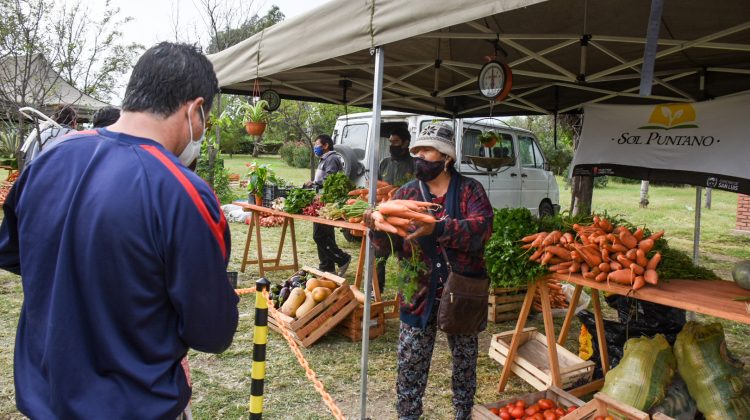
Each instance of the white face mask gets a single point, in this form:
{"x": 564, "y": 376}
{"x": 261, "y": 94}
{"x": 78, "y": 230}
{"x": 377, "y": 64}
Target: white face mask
{"x": 193, "y": 149}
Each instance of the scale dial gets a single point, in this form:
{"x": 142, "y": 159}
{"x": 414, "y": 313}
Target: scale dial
{"x": 492, "y": 79}
{"x": 273, "y": 99}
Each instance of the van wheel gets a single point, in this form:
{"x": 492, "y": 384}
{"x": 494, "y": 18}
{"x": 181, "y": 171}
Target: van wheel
{"x": 353, "y": 168}
{"x": 546, "y": 209}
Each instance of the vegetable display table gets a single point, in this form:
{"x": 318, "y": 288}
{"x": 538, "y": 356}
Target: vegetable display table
{"x": 274, "y": 264}
{"x": 708, "y": 297}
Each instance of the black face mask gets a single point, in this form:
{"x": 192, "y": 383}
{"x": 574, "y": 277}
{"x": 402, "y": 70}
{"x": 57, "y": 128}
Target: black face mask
{"x": 426, "y": 171}
{"x": 398, "y": 152}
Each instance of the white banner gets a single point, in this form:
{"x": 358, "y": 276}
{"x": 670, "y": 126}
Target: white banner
{"x": 703, "y": 143}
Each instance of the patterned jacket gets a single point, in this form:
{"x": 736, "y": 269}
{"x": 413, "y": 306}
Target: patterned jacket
{"x": 461, "y": 232}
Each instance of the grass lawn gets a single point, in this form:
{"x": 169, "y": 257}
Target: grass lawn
{"x": 222, "y": 382}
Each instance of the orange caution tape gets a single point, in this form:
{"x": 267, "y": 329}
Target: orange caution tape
{"x": 311, "y": 375}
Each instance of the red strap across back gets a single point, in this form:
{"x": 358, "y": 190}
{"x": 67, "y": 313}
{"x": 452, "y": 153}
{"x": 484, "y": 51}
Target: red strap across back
{"x": 217, "y": 228}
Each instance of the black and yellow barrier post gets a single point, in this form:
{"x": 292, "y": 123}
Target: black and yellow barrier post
{"x": 260, "y": 337}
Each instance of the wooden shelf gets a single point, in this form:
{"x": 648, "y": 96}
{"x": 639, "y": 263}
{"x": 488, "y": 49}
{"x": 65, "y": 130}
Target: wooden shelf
{"x": 708, "y": 297}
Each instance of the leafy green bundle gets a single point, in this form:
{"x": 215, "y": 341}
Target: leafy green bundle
{"x": 336, "y": 188}
{"x": 507, "y": 264}
{"x": 298, "y": 199}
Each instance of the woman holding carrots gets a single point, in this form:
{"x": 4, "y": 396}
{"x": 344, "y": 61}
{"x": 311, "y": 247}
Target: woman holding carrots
{"x": 462, "y": 227}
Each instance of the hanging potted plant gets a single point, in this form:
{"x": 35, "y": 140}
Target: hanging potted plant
{"x": 256, "y": 117}
{"x": 488, "y": 138}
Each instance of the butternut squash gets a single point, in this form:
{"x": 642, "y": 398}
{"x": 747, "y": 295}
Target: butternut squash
{"x": 307, "y": 305}
{"x": 321, "y": 293}
{"x": 316, "y": 282}
{"x": 293, "y": 302}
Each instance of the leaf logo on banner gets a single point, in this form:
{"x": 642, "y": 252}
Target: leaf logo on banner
{"x": 671, "y": 116}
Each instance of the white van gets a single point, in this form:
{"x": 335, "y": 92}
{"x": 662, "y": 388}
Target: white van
{"x": 525, "y": 180}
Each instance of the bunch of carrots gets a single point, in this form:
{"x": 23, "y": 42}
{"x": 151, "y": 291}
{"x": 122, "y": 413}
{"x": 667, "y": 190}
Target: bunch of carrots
{"x": 599, "y": 252}
{"x": 395, "y": 216}
{"x": 556, "y": 296}
{"x": 384, "y": 193}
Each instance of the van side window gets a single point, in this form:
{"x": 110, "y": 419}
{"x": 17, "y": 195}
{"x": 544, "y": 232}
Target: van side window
{"x": 470, "y": 145}
{"x": 355, "y": 136}
{"x": 425, "y": 123}
{"x": 504, "y": 147}
{"x": 531, "y": 156}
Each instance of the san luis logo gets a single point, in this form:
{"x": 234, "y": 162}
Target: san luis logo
{"x": 671, "y": 116}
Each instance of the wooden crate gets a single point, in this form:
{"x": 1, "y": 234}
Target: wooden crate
{"x": 560, "y": 397}
{"x": 532, "y": 360}
{"x": 505, "y": 303}
{"x": 351, "y": 326}
{"x": 604, "y": 405}
{"x": 323, "y": 317}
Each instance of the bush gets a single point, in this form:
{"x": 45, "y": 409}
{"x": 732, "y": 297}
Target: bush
{"x": 559, "y": 158}
{"x": 295, "y": 154}
{"x": 221, "y": 175}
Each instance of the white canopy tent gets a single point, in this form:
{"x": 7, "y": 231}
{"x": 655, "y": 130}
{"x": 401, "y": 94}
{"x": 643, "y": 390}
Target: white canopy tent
{"x": 564, "y": 54}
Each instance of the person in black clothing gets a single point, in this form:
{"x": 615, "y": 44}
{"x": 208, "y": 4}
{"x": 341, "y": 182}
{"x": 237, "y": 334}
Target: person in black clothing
{"x": 396, "y": 169}
{"x": 105, "y": 116}
{"x": 329, "y": 253}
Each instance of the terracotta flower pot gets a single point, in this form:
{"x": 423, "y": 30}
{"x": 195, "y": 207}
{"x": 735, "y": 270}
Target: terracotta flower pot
{"x": 489, "y": 142}
{"x": 255, "y": 128}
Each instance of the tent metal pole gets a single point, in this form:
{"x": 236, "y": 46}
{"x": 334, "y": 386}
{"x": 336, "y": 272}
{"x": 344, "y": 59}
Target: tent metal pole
{"x": 697, "y": 230}
{"x": 373, "y": 146}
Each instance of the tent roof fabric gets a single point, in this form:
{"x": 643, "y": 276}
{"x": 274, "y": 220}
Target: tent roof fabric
{"x": 434, "y": 50}
{"x": 44, "y": 84}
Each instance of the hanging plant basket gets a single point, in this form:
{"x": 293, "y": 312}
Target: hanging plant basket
{"x": 489, "y": 142}
{"x": 255, "y": 128}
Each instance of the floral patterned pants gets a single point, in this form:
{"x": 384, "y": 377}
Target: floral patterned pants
{"x": 415, "y": 347}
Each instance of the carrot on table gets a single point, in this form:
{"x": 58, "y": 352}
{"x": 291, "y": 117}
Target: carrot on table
{"x": 530, "y": 238}
{"x": 638, "y": 282}
{"x": 624, "y": 276}
{"x": 654, "y": 261}
{"x": 638, "y": 234}
{"x": 651, "y": 276}
{"x": 655, "y": 237}
{"x": 640, "y": 258}
{"x": 637, "y": 269}
{"x": 646, "y": 245}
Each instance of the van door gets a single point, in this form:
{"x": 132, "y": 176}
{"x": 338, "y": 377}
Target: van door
{"x": 534, "y": 179}
{"x": 503, "y": 186}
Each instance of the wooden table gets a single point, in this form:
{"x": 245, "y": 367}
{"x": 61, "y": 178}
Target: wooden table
{"x": 708, "y": 297}
{"x": 274, "y": 264}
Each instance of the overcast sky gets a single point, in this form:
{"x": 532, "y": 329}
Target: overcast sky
{"x": 153, "y": 19}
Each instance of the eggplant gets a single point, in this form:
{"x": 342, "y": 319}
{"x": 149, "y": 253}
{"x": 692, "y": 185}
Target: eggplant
{"x": 283, "y": 295}
{"x": 275, "y": 289}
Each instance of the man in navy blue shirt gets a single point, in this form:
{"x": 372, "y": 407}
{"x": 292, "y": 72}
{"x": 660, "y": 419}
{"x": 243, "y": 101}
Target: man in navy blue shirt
{"x": 122, "y": 252}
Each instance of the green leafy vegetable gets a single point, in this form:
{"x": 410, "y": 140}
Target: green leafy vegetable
{"x": 336, "y": 188}
{"x": 507, "y": 264}
{"x": 298, "y": 199}
{"x": 409, "y": 272}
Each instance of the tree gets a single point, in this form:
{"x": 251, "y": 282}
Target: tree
{"x": 91, "y": 55}
{"x": 43, "y": 43}
{"x": 227, "y": 24}
{"x": 305, "y": 121}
